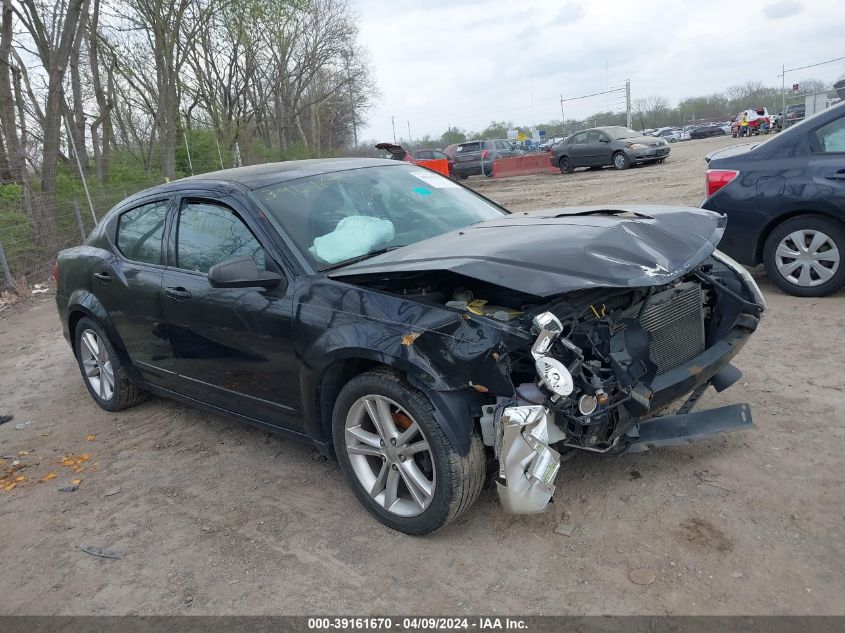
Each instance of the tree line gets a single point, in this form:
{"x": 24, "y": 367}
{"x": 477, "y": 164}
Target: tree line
{"x": 123, "y": 85}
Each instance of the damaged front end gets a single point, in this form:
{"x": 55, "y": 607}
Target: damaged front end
{"x": 608, "y": 365}
{"x": 574, "y": 329}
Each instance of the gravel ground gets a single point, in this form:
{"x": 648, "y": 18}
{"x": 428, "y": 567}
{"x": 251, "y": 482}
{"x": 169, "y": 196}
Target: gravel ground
{"x": 212, "y": 517}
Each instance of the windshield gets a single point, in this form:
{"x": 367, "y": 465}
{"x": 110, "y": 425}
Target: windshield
{"x": 344, "y": 216}
{"x": 617, "y": 133}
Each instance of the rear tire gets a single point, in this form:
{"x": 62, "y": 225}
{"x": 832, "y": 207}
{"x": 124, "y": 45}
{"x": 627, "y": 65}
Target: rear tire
{"x": 102, "y": 371}
{"x": 565, "y": 165}
{"x": 452, "y": 482}
{"x": 818, "y": 246}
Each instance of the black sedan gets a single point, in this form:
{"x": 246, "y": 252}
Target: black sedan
{"x": 409, "y": 327}
{"x": 614, "y": 146}
{"x": 785, "y": 203}
{"x": 706, "y": 131}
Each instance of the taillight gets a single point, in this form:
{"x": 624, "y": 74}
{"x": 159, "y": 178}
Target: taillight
{"x": 485, "y": 153}
{"x": 718, "y": 178}
{"x": 55, "y": 273}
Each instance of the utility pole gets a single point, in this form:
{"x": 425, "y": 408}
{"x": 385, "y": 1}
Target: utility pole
{"x": 783, "y": 90}
{"x": 628, "y": 101}
{"x": 409, "y": 134}
{"x": 562, "y": 120}
{"x": 393, "y": 123}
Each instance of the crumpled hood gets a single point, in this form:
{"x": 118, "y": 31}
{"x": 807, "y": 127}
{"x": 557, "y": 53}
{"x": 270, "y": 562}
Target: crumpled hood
{"x": 553, "y": 251}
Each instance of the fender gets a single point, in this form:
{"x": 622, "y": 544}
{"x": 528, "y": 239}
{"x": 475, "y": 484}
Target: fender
{"x": 84, "y": 301}
{"x": 443, "y": 352}
{"x": 453, "y": 407}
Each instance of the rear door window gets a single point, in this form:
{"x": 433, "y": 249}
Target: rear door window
{"x": 140, "y": 231}
{"x": 209, "y": 233}
{"x": 468, "y": 147}
{"x": 831, "y": 137}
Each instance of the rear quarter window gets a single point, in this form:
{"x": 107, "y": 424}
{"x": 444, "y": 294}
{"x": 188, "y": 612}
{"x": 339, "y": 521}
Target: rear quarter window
{"x": 140, "y": 231}
{"x": 831, "y": 137}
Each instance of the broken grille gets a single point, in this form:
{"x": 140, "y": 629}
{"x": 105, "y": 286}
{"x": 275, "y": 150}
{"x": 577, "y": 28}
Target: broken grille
{"x": 675, "y": 319}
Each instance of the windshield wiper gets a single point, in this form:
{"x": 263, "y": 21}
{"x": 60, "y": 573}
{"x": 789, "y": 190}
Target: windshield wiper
{"x": 360, "y": 258}
{"x": 622, "y": 212}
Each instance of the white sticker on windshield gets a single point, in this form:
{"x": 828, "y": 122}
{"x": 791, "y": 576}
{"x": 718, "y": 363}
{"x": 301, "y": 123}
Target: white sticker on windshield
{"x": 435, "y": 180}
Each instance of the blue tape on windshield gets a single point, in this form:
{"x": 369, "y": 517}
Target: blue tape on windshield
{"x": 422, "y": 191}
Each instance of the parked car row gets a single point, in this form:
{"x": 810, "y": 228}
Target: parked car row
{"x": 688, "y": 132}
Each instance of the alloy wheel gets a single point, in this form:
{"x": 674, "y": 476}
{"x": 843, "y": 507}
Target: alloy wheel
{"x": 807, "y": 258}
{"x": 97, "y": 365}
{"x": 390, "y": 455}
{"x": 619, "y": 161}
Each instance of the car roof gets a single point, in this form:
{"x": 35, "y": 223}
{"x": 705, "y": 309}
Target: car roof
{"x": 255, "y": 176}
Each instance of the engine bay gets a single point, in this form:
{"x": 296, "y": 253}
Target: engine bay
{"x": 609, "y": 344}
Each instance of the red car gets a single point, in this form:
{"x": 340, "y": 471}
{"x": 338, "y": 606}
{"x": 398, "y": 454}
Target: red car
{"x": 758, "y": 122}
{"x": 397, "y": 152}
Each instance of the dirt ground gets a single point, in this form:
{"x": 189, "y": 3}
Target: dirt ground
{"x": 213, "y": 517}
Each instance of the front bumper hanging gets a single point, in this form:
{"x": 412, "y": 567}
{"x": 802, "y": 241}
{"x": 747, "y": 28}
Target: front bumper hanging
{"x": 527, "y": 465}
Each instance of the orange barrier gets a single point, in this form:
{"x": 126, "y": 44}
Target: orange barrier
{"x": 522, "y": 165}
{"x": 440, "y": 165}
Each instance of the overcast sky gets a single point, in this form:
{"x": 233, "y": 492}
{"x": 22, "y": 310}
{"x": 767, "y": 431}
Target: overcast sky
{"x": 467, "y": 62}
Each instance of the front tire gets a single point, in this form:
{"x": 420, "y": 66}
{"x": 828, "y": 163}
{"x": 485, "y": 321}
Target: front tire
{"x": 620, "y": 161}
{"x": 397, "y": 460}
{"x": 803, "y": 256}
{"x": 102, "y": 371}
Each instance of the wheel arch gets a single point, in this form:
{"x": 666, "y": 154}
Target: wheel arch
{"x": 784, "y": 217}
{"x": 83, "y": 304}
{"x": 452, "y": 407}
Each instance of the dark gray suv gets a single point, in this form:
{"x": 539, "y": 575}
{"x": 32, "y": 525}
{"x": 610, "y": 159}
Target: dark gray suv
{"x": 475, "y": 158}
{"x": 602, "y": 146}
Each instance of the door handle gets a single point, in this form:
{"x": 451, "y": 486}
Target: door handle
{"x": 104, "y": 277}
{"x": 178, "y": 293}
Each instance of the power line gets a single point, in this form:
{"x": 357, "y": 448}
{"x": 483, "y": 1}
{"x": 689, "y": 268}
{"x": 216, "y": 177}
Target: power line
{"x": 595, "y": 94}
{"x": 829, "y": 61}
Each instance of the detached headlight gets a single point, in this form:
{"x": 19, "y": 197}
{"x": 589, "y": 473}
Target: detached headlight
{"x": 637, "y": 146}
{"x": 744, "y": 275}
{"x": 554, "y": 376}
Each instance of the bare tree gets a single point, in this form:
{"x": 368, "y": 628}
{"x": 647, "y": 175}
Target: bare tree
{"x": 53, "y": 40}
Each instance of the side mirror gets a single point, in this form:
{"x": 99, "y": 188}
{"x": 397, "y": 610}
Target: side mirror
{"x": 241, "y": 272}
{"x": 604, "y": 139}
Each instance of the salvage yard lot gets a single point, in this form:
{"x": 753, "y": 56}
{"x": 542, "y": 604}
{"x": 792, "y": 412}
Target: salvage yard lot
{"x": 212, "y": 517}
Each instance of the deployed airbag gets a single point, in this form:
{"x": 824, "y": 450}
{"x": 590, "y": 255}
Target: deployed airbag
{"x": 353, "y": 236}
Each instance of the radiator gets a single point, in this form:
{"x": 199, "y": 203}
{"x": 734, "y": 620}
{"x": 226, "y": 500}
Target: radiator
{"x": 675, "y": 318}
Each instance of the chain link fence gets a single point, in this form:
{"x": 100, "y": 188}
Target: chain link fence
{"x": 34, "y": 227}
